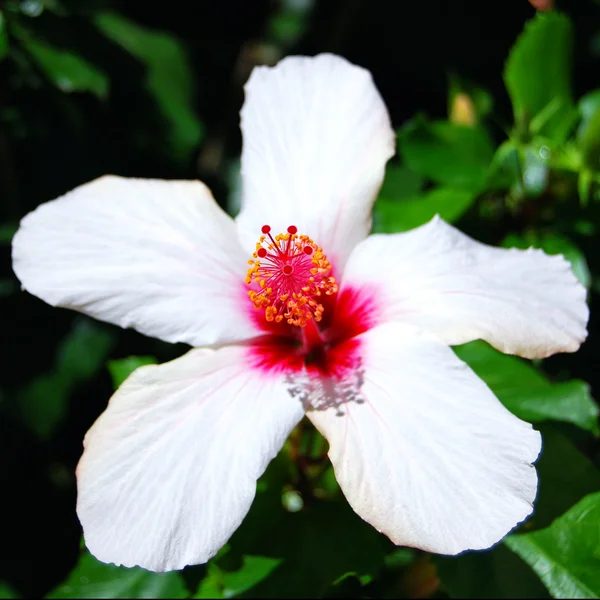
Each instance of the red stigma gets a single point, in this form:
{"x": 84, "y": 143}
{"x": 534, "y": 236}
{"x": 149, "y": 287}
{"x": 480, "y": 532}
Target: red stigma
{"x": 291, "y": 229}
{"x": 261, "y": 252}
{"x": 265, "y": 228}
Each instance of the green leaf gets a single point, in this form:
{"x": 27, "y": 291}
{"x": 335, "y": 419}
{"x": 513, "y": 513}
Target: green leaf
{"x": 68, "y": 71}
{"x": 553, "y": 243}
{"x": 287, "y": 23}
{"x": 561, "y": 113}
{"x": 7, "y": 231}
{"x": 566, "y": 555}
{"x": 92, "y": 579}
{"x": 589, "y": 142}
{"x": 588, "y": 105}
{"x": 8, "y": 286}
{"x": 44, "y": 402}
{"x": 251, "y": 572}
{"x": 169, "y": 79}
{"x": 537, "y": 73}
{"x": 584, "y": 186}
{"x": 496, "y": 573}
{"x": 7, "y": 591}
{"x": 240, "y": 578}
{"x": 401, "y": 557}
{"x": 523, "y": 168}
{"x": 402, "y": 205}
{"x": 588, "y": 136}
{"x": 3, "y": 36}
{"x": 505, "y": 169}
{"x": 520, "y": 168}
{"x": 348, "y": 585}
{"x": 535, "y": 171}
{"x": 122, "y": 368}
{"x": 565, "y": 476}
{"x": 211, "y": 586}
{"x": 325, "y": 539}
{"x": 447, "y": 153}
{"x": 401, "y": 215}
{"x": 526, "y": 392}
{"x": 400, "y": 183}
{"x": 584, "y": 227}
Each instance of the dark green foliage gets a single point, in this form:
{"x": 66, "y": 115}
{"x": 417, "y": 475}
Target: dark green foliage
{"x": 101, "y": 86}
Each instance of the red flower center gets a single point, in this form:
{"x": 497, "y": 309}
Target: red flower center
{"x": 308, "y": 326}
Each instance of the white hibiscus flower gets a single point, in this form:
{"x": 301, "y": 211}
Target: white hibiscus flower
{"x": 352, "y": 331}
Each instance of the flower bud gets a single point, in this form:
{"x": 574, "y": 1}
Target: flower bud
{"x": 462, "y": 110}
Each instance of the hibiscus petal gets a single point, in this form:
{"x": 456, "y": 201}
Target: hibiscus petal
{"x": 316, "y": 139}
{"x": 169, "y": 469}
{"x": 427, "y": 454}
{"x": 520, "y": 301}
{"x": 158, "y": 256}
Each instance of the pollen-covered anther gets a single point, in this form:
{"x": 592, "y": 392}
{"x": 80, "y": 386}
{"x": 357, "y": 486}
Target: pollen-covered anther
{"x": 288, "y": 273}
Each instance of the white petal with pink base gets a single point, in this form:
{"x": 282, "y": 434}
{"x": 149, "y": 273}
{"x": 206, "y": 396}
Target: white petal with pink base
{"x": 170, "y": 468}
{"x": 521, "y": 301}
{"x": 427, "y": 454}
{"x": 316, "y": 137}
{"x": 159, "y": 256}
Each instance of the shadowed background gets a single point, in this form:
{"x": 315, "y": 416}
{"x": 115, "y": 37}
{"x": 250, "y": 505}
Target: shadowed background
{"x": 154, "y": 90}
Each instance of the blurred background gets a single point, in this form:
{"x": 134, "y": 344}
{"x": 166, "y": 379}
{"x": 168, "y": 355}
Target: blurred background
{"x": 497, "y": 109}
